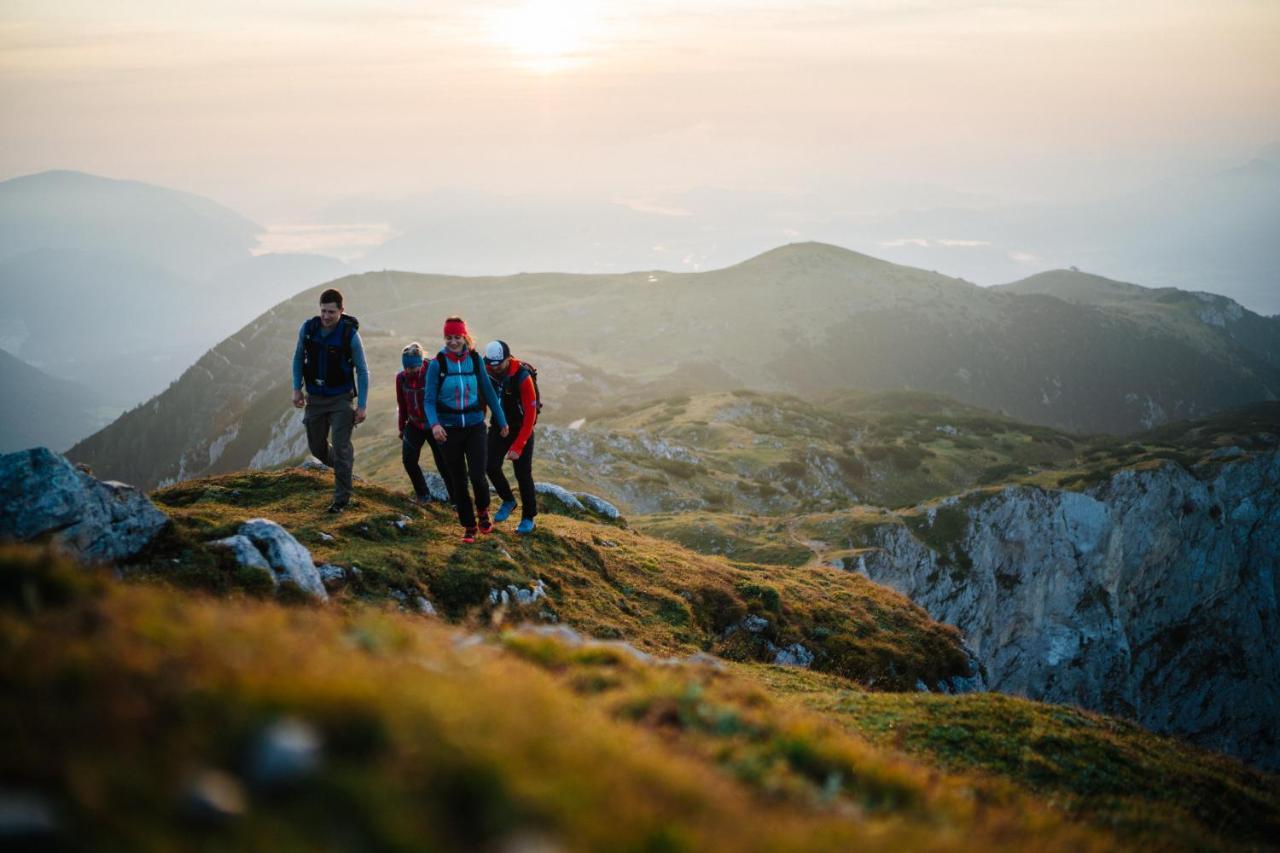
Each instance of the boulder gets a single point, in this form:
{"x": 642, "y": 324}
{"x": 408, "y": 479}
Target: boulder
{"x": 245, "y": 552}
{"x": 561, "y": 494}
{"x": 599, "y": 506}
{"x": 288, "y": 559}
{"x": 794, "y": 655}
{"x": 41, "y": 493}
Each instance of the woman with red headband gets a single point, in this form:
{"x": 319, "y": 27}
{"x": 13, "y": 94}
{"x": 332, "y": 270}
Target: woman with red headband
{"x": 457, "y": 389}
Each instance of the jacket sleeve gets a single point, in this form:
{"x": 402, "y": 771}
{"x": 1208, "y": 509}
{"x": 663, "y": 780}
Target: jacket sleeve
{"x": 402, "y": 404}
{"x": 297, "y": 357}
{"x": 491, "y": 397}
{"x": 529, "y": 402}
{"x": 430, "y": 390}
{"x": 362, "y": 370}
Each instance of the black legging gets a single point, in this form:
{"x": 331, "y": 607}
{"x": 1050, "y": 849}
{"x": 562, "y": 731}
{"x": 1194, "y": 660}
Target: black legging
{"x": 523, "y": 467}
{"x": 464, "y": 453}
{"x": 411, "y": 451}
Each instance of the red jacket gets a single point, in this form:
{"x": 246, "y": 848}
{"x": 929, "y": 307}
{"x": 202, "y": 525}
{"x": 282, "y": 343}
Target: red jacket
{"x": 409, "y": 388}
{"x": 528, "y": 402}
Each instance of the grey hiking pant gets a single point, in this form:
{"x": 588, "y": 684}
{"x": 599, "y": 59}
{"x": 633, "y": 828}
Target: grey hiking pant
{"x": 337, "y": 416}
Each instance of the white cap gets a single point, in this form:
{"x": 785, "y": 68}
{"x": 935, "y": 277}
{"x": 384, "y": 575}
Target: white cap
{"x": 496, "y": 351}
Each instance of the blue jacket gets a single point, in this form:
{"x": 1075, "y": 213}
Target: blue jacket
{"x": 357, "y": 356}
{"x": 454, "y": 400}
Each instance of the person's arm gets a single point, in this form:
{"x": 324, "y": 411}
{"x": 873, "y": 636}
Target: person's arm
{"x": 362, "y": 371}
{"x": 297, "y": 365}
{"x": 430, "y": 391}
{"x": 402, "y": 404}
{"x": 529, "y": 402}
{"x": 491, "y": 396}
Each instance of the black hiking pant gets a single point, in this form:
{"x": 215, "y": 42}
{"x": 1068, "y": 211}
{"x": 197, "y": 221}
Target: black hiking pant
{"x": 464, "y": 453}
{"x": 498, "y": 447}
{"x": 411, "y": 451}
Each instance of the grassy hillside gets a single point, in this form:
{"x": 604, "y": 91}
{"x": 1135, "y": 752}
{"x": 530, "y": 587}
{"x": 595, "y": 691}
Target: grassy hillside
{"x": 126, "y": 703}
{"x": 859, "y": 323}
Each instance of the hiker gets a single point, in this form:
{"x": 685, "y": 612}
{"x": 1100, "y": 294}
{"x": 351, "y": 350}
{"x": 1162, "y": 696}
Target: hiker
{"x": 516, "y": 384}
{"x": 412, "y": 420}
{"x": 457, "y": 390}
{"x": 330, "y": 357}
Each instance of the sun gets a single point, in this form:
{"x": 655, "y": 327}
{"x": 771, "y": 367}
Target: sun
{"x": 546, "y": 35}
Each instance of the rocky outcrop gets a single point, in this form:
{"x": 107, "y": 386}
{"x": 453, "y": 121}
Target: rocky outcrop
{"x": 1152, "y": 594}
{"x": 266, "y": 546}
{"x": 42, "y": 494}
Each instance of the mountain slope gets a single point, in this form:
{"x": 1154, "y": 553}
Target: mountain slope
{"x": 808, "y": 318}
{"x": 133, "y": 707}
{"x": 44, "y": 410}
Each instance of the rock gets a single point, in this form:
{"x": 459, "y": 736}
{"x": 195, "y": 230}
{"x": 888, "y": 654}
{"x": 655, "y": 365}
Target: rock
{"x": 435, "y": 487}
{"x": 285, "y": 753}
{"x": 25, "y": 818}
{"x": 313, "y": 464}
{"x": 794, "y": 655}
{"x": 246, "y": 553}
{"x": 561, "y": 494}
{"x": 529, "y": 596}
{"x": 425, "y": 607}
{"x": 41, "y": 493}
{"x": 332, "y": 576}
{"x": 401, "y": 523}
{"x": 921, "y": 687}
{"x": 1125, "y": 598}
{"x": 599, "y": 506}
{"x": 289, "y": 560}
{"x": 214, "y": 796}
{"x": 1226, "y": 453}
{"x": 754, "y": 624}
{"x": 324, "y": 537}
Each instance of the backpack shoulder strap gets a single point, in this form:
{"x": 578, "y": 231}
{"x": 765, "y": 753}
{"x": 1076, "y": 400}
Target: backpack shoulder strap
{"x": 311, "y": 326}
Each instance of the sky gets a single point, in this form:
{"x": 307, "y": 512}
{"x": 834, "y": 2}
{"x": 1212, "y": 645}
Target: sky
{"x": 279, "y": 108}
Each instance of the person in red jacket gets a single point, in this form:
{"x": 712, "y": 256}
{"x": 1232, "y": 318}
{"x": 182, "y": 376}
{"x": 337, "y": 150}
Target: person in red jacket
{"x": 514, "y": 382}
{"x": 412, "y": 423}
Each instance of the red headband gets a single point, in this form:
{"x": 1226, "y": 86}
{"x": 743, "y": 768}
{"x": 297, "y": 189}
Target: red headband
{"x": 455, "y": 327}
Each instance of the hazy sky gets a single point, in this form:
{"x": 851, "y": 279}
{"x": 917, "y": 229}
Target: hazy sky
{"x": 275, "y": 107}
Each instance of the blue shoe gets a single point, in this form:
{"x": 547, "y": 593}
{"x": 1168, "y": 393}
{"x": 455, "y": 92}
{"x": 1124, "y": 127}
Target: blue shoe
{"x": 526, "y": 525}
{"x": 504, "y": 511}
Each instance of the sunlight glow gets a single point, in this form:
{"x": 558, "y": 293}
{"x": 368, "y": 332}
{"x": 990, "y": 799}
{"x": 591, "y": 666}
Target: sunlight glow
{"x": 546, "y": 35}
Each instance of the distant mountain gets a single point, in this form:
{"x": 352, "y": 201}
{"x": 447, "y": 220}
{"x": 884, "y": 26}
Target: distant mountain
{"x": 122, "y": 285}
{"x": 808, "y": 318}
{"x": 1213, "y": 232}
{"x": 45, "y": 411}
{"x": 184, "y": 232}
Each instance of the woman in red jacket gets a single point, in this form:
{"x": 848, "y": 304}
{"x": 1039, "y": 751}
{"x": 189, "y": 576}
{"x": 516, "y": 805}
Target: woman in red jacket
{"x": 514, "y": 382}
{"x": 410, "y": 383}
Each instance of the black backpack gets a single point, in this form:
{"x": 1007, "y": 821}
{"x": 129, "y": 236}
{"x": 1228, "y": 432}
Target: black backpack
{"x": 348, "y": 325}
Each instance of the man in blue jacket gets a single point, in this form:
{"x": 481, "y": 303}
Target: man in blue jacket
{"x": 329, "y": 358}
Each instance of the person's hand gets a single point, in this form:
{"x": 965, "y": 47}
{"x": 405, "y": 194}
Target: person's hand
{"x": 439, "y": 433}
{"x": 504, "y": 431}
{"x": 361, "y": 414}
{"x": 512, "y": 455}
{"x": 298, "y": 401}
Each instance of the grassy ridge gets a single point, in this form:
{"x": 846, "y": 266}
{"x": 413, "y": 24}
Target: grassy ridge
{"x": 117, "y": 695}
{"x": 607, "y": 581}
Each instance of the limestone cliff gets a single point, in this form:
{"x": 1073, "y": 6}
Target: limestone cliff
{"x": 1151, "y": 594}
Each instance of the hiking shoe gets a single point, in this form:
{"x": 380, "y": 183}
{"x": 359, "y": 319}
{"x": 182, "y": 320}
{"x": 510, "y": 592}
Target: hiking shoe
{"x": 525, "y": 526}
{"x": 486, "y": 526}
{"x": 337, "y": 507}
{"x": 504, "y": 511}
{"x": 468, "y": 535}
